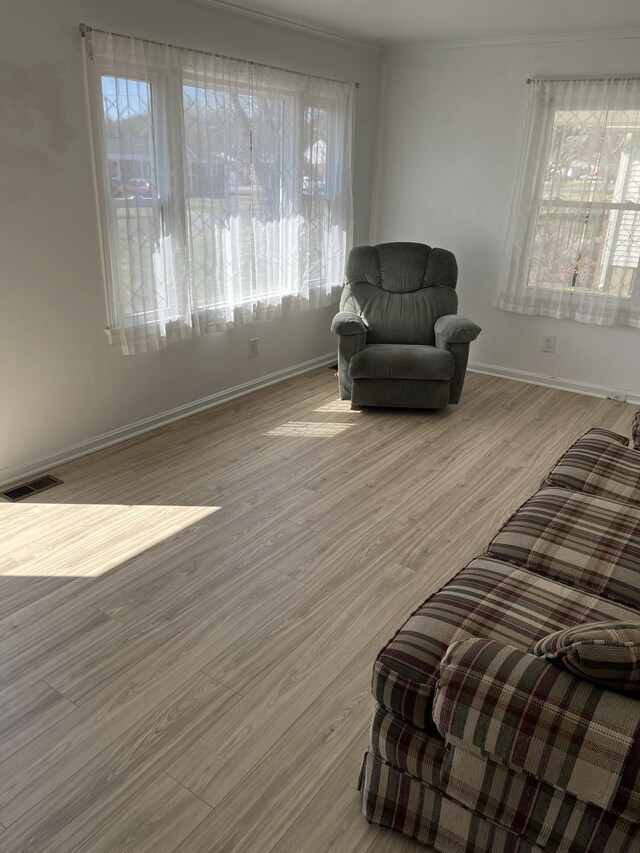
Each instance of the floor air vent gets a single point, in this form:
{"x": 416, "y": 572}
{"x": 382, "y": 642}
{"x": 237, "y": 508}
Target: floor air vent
{"x": 23, "y": 490}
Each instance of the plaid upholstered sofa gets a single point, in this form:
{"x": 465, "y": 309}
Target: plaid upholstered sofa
{"x": 480, "y": 745}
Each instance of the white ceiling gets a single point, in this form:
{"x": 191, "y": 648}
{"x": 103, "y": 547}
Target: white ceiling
{"x": 407, "y": 21}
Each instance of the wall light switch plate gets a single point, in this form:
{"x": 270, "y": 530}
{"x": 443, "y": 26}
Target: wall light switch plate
{"x": 253, "y": 347}
{"x": 548, "y": 343}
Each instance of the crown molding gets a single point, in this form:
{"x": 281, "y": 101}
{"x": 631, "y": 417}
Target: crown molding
{"x": 426, "y": 44}
{"x": 290, "y": 23}
{"x": 555, "y": 38}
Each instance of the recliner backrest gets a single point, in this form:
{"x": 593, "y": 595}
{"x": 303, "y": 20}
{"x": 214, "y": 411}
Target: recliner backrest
{"x": 400, "y": 290}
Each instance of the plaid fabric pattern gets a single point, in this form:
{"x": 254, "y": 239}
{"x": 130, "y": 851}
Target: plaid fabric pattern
{"x": 396, "y": 800}
{"x": 555, "y": 820}
{"x": 600, "y": 464}
{"x": 609, "y": 434}
{"x": 607, "y": 653}
{"x": 579, "y": 539}
{"x": 486, "y": 599}
{"x": 514, "y": 800}
{"x": 498, "y": 701}
{"x": 635, "y": 430}
{"x": 414, "y": 751}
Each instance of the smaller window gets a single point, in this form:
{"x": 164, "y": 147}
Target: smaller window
{"x": 574, "y": 234}
{"x": 587, "y": 233}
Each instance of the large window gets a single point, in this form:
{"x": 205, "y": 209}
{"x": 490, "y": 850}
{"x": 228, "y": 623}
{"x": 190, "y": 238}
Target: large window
{"x": 225, "y": 188}
{"x": 575, "y": 241}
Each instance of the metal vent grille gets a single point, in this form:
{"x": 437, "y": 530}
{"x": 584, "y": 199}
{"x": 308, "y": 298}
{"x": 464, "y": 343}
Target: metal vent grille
{"x": 23, "y": 490}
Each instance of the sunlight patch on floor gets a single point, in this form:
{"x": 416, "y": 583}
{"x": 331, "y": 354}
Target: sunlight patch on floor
{"x": 309, "y": 429}
{"x": 343, "y": 406}
{"x": 85, "y": 540}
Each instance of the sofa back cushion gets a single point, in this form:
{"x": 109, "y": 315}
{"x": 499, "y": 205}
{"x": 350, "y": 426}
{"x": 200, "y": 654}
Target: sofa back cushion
{"x": 607, "y": 653}
{"x": 599, "y": 463}
{"x": 577, "y": 539}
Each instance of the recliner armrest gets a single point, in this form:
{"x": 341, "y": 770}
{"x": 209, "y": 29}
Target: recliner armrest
{"x": 498, "y": 701}
{"x": 452, "y": 329}
{"x": 348, "y": 323}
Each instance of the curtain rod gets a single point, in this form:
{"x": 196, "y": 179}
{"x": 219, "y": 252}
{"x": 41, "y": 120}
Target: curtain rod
{"x": 85, "y": 28}
{"x": 577, "y": 79}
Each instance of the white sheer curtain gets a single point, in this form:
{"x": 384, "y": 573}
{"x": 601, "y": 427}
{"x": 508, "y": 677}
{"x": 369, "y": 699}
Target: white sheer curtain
{"x": 573, "y": 247}
{"x": 225, "y": 188}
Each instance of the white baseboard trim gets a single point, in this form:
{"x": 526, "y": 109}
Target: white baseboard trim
{"x": 15, "y": 473}
{"x": 550, "y": 381}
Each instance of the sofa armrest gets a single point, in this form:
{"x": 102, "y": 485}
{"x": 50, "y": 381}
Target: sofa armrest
{"x": 523, "y": 711}
{"x": 348, "y": 323}
{"x": 452, "y": 329}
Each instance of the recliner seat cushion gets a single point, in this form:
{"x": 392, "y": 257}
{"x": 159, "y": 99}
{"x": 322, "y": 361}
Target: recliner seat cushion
{"x": 402, "y": 361}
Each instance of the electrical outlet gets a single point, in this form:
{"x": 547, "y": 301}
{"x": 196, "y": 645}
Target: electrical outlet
{"x": 548, "y": 343}
{"x": 620, "y": 396}
{"x": 253, "y": 347}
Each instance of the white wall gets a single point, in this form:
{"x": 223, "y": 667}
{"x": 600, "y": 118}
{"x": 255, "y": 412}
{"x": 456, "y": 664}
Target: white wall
{"x": 61, "y": 384}
{"x": 450, "y": 135}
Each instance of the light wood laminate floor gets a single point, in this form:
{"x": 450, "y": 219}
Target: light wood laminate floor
{"x": 188, "y": 624}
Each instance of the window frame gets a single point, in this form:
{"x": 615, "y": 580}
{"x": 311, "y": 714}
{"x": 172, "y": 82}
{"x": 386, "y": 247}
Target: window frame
{"x": 158, "y": 89}
{"x": 166, "y": 94}
{"x": 539, "y": 202}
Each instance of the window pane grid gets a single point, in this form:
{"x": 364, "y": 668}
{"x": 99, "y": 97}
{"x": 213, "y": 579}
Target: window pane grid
{"x": 586, "y": 237}
{"x": 227, "y": 189}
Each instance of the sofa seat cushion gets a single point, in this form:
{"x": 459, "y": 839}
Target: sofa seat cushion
{"x": 579, "y": 539}
{"x": 488, "y": 598}
{"x": 533, "y": 809}
{"x": 517, "y": 709}
{"x": 417, "y": 752}
{"x": 599, "y": 463}
{"x": 402, "y": 361}
{"x": 400, "y": 802}
{"x": 516, "y": 800}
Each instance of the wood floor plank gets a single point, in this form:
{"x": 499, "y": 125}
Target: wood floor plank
{"x": 34, "y": 771}
{"x": 79, "y": 807}
{"x": 215, "y": 593}
{"x": 332, "y": 820}
{"x": 255, "y": 814}
{"x": 211, "y": 767}
{"x": 33, "y": 661}
{"x": 159, "y": 818}
{"x": 71, "y": 596}
{"x": 281, "y": 633}
{"x": 275, "y": 542}
{"x": 16, "y": 594}
{"x": 29, "y": 713}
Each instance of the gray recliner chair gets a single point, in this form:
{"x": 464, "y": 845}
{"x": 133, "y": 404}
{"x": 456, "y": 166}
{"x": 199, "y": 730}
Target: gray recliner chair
{"x": 401, "y": 341}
